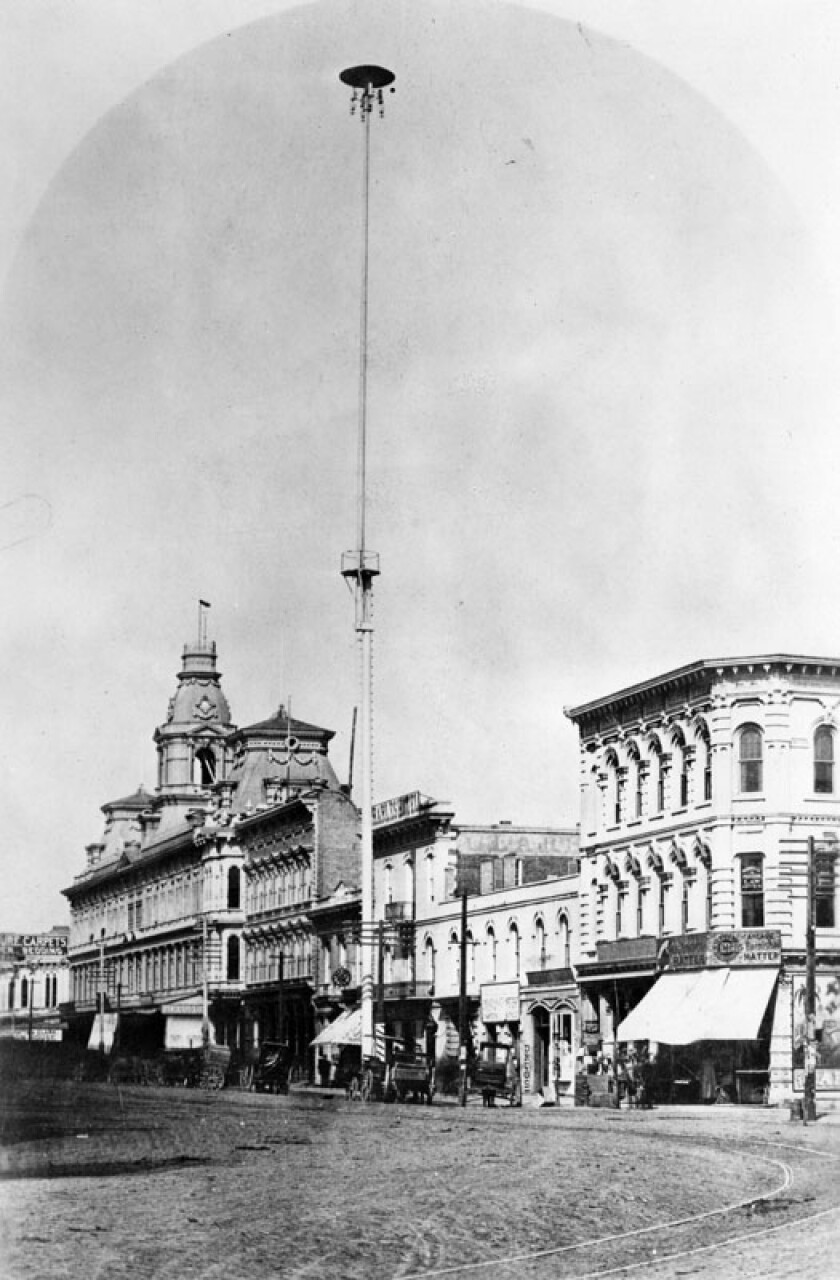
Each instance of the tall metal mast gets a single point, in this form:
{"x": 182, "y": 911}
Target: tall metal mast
{"x": 361, "y": 566}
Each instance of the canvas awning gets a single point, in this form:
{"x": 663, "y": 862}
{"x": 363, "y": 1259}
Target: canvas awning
{"x": 103, "y": 1031}
{"x": 705, "y": 1004}
{"x": 346, "y": 1029}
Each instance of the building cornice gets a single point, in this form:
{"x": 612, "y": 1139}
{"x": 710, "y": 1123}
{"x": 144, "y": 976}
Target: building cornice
{"x": 703, "y": 672}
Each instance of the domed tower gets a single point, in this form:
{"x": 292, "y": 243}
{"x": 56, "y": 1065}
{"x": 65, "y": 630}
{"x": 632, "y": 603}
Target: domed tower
{"x": 191, "y": 746}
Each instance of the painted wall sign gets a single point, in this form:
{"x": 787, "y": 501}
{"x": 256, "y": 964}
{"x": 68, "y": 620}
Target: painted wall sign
{"x": 737, "y": 948}
{"x": 407, "y": 806}
{"x": 500, "y": 1002}
{"x": 828, "y": 1024}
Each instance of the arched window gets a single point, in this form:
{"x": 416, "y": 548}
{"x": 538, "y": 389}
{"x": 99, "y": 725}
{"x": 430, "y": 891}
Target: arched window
{"x": 704, "y": 750}
{"x": 455, "y": 954}
{"x": 750, "y": 758}
{"x": 204, "y": 772}
{"x": 683, "y": 760}
{"x": 824, "y": 760}
{"x": 430, "y": 960}
{"x": 24, "y": 993}
{"x": 658, "y": 769}
{"x": 490, "y": 940}
{"x": 615, "y": 794}
{"x": 565, "y": 937}
{"x": 539, "y": 936}
{"x": 470, "y": 957}
{"x": 513, "y": 939}
{"x": 637, "y": 779}
{"x": 233, "y": 958}
{"x": 233, "y": 888}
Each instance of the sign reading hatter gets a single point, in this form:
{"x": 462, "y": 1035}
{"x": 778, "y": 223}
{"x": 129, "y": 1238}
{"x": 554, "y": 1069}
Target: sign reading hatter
{"x": 738, "y": 948}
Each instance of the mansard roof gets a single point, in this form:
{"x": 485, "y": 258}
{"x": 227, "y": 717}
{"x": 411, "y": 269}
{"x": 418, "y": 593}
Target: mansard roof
{"x": 139, "y": 800}
{"x": 283, "y": 724}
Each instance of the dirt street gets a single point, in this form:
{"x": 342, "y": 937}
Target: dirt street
{"x": 108, "y": 1183}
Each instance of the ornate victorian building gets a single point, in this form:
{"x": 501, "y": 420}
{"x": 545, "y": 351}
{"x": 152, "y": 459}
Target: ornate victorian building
{"x": 699, "y": 792}
{"x": 195, "y": 892}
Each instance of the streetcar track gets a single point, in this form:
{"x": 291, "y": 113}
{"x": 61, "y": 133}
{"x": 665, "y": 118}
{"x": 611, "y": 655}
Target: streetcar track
{"x": 637, "y": 1233}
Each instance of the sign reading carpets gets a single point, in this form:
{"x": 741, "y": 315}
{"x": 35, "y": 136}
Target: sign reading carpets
{"x": 735, "y": 949}
{"x": 500, "y": 1002}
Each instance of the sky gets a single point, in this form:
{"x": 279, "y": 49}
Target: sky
{"x": 604, "y": 293}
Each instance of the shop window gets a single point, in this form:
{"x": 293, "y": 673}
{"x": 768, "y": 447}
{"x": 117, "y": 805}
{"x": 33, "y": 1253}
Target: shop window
{"x": 824, "y": 894}
{"x": 233, "y": 888}
{"x": 750, "y": 759}
{"x": 824, "y": 760}
{"x": 233, "y": 959}
{"x": 752, "y": 891}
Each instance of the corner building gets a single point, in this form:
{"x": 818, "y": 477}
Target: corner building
{"x": 700, "y": 790}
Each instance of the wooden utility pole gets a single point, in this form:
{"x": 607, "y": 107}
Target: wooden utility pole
{"x": 463, "y": 1025}
{"x": 809, "y": 1098}
{"x": 281, "y": 1004}
{"x": 380, "y": 982}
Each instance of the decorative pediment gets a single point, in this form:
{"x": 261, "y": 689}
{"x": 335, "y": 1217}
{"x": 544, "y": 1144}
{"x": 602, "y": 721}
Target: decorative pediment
{"x": 632, "y": 866}
{"x": 702, "y": 852}
{"x": 677, "y": 855}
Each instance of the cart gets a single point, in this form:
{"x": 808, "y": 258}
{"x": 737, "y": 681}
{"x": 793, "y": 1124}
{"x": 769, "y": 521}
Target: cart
{"x": 496, "y": 1074}
{"x": 413, "y": 1079}
{"x": 215, "y": 1060}
{"x": 271, "y": 1074}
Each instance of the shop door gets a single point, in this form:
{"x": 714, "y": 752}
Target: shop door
{"x": 542, "y": 1056}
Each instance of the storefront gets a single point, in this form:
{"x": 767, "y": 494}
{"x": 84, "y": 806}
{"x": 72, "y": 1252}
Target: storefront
{"x": 706, "y": 1022}
{"x": 550, "y": 1020}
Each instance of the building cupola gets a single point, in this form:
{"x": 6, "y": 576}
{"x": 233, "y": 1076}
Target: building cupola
{"x": 191, "y": 745}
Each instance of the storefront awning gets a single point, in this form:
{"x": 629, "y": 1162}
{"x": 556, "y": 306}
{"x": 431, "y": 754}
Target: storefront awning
{"x": 103, "y": 1031}
{"x": 346, "y": 1029}
{"x": 705, "y": 1004}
